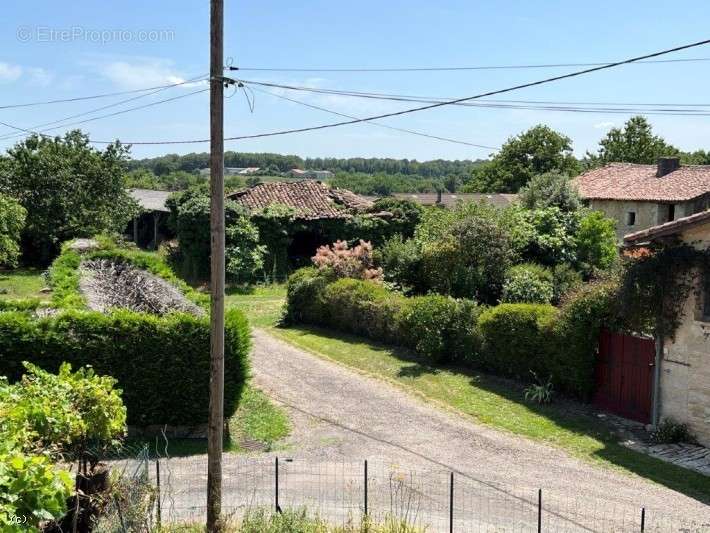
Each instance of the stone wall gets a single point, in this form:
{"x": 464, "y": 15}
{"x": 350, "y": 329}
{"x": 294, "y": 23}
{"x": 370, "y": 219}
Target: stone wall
{"x": 685, "y": 367}
{"x": 648, "y": 214}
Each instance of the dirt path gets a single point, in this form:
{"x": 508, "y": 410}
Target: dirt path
{"x": 341, "y": 417}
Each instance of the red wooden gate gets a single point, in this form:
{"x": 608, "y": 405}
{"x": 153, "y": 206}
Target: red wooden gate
{"x": 624, "y": 375}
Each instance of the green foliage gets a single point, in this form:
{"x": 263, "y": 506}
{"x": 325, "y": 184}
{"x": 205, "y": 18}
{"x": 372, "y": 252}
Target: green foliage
{"x": 61, "y": 412}
{"x": 68, "y": 188}
{"x": 405, "y": 215}
{"x": 669, "y": 431}
{"x": 656, "y": 286}
{"x": 276, "y": 227}
{"x": 543, "y": 236}
{"x": 12, "y": 220}
{"x": 303, "y": 296}
{"x": 564, "y": 280}
{"x": 32, "y": 489}
{"x": 439, "y": 327}
{"x": 550, "y": 189}
{"x": 582, "y": 314}
{"x": 596, "y": 242}
{"x": 539, "y": 392}
{"x": 537, "y": 151}
{"x": 401, "y": 263}
{"x": 146, "y": 354}
{"x": 515, "y": 339}
{"x": 635, "y": 143}
{"x": 528, "y": 283}
{"x": 190, "y": 214}
{"x": 473, "y": 243}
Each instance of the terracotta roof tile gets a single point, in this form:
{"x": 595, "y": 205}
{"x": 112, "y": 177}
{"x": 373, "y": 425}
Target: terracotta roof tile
{"x": 310, "y": 198}
{"x": 628, "y": 181}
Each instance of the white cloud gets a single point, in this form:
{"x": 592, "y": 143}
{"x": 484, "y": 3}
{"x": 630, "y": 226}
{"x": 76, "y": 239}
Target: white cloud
{"x": 40, "y": 76}
{"x": 142, "y": 72}
{"x": 9, "y": 72}
{"x": 604, "y": 125}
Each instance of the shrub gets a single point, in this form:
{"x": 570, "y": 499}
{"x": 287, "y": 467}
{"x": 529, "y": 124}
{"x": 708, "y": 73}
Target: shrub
{"x": 440, "y": 327}
{"x": 362, "y": 308}
{"x": 347, "y": 262}
{"x": 515, "y": 339}
{"x": 528, "y": 283}
{"x": 64, "y": 411}
{"x": 576, "y": 333}
{"x": 670, "y": 431}
{"x": 31, "y": 488}
{"x": 596, "y": 242}
{"x": 550, "y": 189}
{"x": 162, "y": 364}
{"x": 565, "y": 279}
{"x": 401, "y": 263}
{"x": 304, "y": 292}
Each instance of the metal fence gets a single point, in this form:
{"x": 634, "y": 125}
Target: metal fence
{"x": 434, "y": 500}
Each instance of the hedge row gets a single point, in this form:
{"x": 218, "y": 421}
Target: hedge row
{"x": 161, "y": 363}
{"x": 509, "y": 339}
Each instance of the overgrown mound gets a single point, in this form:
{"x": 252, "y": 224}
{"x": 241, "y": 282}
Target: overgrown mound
{"x": 107, "y": 284}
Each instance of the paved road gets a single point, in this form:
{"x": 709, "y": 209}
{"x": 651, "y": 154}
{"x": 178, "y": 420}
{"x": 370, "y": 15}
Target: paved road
{"x": 342, "y": 417}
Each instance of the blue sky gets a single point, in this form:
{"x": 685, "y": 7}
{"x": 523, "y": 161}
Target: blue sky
{"x": 37, "y": 62}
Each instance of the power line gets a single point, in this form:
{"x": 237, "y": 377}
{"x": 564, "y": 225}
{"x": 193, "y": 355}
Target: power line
{"x": 444, "y": 69}
{"x": 435, "y": 105}
{"x": 552, "y": 106}
{"x": 95, "y": 110}
{"x": 93, "y": 97}
{"x": 151, "y": 104}
{"x": 413, "y": 132}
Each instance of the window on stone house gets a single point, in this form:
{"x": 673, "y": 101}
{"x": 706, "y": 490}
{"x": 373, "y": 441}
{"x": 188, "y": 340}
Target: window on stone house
{"x": 631, "y": 218}
{"x": 671, "y": 212}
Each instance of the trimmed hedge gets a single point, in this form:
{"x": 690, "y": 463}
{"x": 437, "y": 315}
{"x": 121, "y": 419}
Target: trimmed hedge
{"x": 508, "y": 339}
{"x": 161, "y": 363}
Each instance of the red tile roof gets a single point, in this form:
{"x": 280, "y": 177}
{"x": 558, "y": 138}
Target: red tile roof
{"x": 628, "y": 181}
{"x": 669, "y": 228}
{"x": 310, "y": 198}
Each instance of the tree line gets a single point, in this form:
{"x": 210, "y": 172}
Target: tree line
{"x": 278, "y": 163}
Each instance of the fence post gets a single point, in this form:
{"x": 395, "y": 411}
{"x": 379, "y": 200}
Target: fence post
{"x": 157, "y": 478}
{"x": 365, "y": 487}
{"x": 539, "y": 510}
{"x": 276, "y": 486}
{"x": 643, "y": 519}
{"x": 451, "y": 503}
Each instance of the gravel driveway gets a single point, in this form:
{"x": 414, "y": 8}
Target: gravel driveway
{"x": 342, "y": 417}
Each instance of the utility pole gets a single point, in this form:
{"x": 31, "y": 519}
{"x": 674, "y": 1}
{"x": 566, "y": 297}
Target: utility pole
{"x": 216, "y": 414}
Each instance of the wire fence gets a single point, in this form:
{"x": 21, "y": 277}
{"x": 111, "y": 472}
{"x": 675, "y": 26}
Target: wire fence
{"x": 434, "y": 500}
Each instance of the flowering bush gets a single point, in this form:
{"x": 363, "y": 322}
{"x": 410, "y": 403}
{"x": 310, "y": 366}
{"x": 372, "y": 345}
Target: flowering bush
{"x": 347, "y": 262}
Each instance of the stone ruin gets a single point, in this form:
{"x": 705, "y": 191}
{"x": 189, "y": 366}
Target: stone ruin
{"x": 107, "y": 284}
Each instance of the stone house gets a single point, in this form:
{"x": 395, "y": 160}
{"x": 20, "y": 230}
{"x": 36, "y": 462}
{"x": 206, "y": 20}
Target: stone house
{"x": 683, "y": 364}
{"x": 642, "y": 196}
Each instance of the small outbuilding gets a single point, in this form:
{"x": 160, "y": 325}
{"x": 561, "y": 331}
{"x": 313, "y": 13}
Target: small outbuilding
{"x": 149, "y": 228}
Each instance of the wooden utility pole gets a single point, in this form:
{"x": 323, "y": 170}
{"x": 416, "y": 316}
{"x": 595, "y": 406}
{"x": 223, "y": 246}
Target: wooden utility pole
{"x": 216, "y": 415}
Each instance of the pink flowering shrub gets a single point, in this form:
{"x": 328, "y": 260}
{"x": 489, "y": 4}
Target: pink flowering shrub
{"x": 347, "y": 262}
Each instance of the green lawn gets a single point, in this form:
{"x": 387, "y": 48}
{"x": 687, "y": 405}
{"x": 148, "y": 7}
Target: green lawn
{"x": 261, "y": 303}
{"x": 489, "y": 400}
{"x": 22, "y": 283}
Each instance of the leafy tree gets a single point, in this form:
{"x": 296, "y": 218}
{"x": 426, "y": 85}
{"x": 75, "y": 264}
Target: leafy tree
{"x": 528, "y": 283}
{"x": 544, "y": 236}
{"x": 635, "y": 143}
{"x": 536, "y": 151}
{"x": 12, "y": 220}
{"x": 68, "y": 188}
{"x": 550, "y": 190}
{"x": 596, "y": 242}
{"x": 406, "y": 214}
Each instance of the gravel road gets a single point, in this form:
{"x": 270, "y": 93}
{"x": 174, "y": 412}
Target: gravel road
{"x": 341, "y": 417}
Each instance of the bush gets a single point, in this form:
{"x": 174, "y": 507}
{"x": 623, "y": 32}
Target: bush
{"x": 362, "y": 308}
{"x": 440, "y": 327}
{"x": 401, "y": 263}
{"x": 515, "y": 339}
{"x": 596, "y": 242}
{"x": 62, "y": 412}
{"x": 576, "y": 333}
{"x": 671, "y": 432}
{"x": 347, "y": 262}
{"x": 303, "y": 296}
{"x": 161, "y": 363}
{"x": 528, "y": 283}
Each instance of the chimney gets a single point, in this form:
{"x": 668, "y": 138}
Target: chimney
{"x": 666, "y": 165}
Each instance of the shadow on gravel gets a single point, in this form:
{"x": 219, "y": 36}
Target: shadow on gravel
{"x": 576, "y": 418}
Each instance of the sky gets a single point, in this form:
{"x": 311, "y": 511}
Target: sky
{"x": 55, "y": 50}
